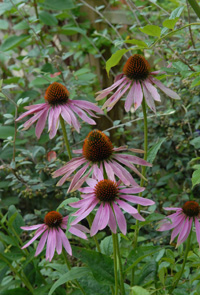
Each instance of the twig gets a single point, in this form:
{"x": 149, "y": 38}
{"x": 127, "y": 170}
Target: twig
{"x": 191, "y": 36}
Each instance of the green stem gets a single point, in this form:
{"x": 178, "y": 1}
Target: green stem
{"x": 142, "y": 180}
{"x": 115, "y": 263}
{"x": 195, "y": 7}
{"x": 184, "y": 262}
{"x": 62, "y": 123}
{"x": 94, "y": 237}
{"x": 69, "y": 267}
{"x": 120, "y": 266}
{"x": 23, "y": 278}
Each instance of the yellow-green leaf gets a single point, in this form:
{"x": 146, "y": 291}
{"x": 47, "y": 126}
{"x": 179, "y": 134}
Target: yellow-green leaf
{"x": 151, "y": 30}
{"x": 170, "y": 23}
{"x": 114, "y": 59}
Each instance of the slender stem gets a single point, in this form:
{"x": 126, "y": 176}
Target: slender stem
{"x": 65, "y": 137}
{"x": 184, "y": 262}
{"x": 120, "y": 266}
{"x": 115, "y": 263}
{"x": 195, "y": 7}
{"x": 69, "y": 267}
{"x": 142, "y": 180}
{"x": 190, "y": 30}
{"x": 94, "y": 237}
{"x": 23, "y": 278}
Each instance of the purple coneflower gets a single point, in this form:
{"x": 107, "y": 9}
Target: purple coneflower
{"x": 111, "y": 197}
{"x": 139, "y": 80}
{"x": 181, "y": 222}
{"x": 98, "y": 152}
{"x": 58, "y": 104}
{"x": 52, "y": 230}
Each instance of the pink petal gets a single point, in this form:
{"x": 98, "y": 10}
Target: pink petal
{"x": 183, "y": 231}
{"x": 106, "y": 91}
{"x": 65, "y": 242}
{"x": 172, "y": 208}
{"x": 70, "y": 166}
{"x": 66, "y": 116}
{"x": 41, "y": 123}
{"x": 86, "y": 213}
{"x": 32, "y": 227}
{"x": 138, "y": 216}
{"x": 137, "y": 200}
{"x": 87, "y": 105}
{"x": 74, "y": 120}
{"x": 149, "y": 98}
{"x": 34, "y": 109}
{"x": 37, "y": 234}
{"x": 36, "y": 106}
{"x": 123, "y": 174}
{"x": 83, "y": 202}
{"x": 58, "y": 242}
{"x": 197, "y": 226}
{"x": 79, "y": 182}
{"x": 82, "y": 228}
{"x": 51, "y": 244}
{"x": 50, "y": 118}
{"x": 120, "y": 218}
{"x": 176, "y": 231}
{"x": 135, "y": 95}
{"x": 112, "y": 222}
{"x": 133, "y": 159}
{"x": 104, "y": 218}
{"x": 187, "y": 232}
{"x": 91, "y": 182}
{"x": 109, "y": 171}
{"x": 130, "y": 97}
{"x": 128, "y": 208}
{"x": 77, "y": 233}
{"x": 41, "y": 244}
{"x": 165, "y": 89}
{"x": 77, "y": 176}
{"x": 55, "y": 121}
{"x": 32, "y": 120}
{"x": 132, "y": 190}
{"x": 152, "y": 90}
{"x": 83, "y": 115}
{"x": 95, "y": 224}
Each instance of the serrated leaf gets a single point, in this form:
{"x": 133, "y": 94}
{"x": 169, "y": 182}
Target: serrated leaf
{"x": 154, "y": 150}
{"x": 137, "y": 290}
{"x": 195, "y": 177}
{"x": 13, "y": 41}
{"x": 48, "y": 19}
{"x": 140, "y": 43}
{"x": 170, "y": 23}
{"x": 151, "y": 30}
{"x": 73, "y": 274}
{"x": 114, "y": 59}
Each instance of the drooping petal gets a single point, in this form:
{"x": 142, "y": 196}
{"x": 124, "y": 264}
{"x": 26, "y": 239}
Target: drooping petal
{"x": 187, "y": 232}
{"x": 41, "y": 123}
{"x": 32, "y": 227}
{"x": 132, "y": 190}
{"x": 87, "y": 105}
{"x": 104, "y": 218}
{"x": 137, "y": 200}
{"x": 37, "y": 234}
{"x": 176, "y": 231}
{"x": 106, "y": 91}
{"x": 133, "y": 159}
{"x": 83, "y": 115}
{"x": 86, "y": 213}
{"x": 95, "y": 224}
{"x": 91, "y": 182}
{"x": 58, "y": 243}
{"x": 74, "y": 120}
{"x": 55, "y": 121}
{"x": 120, "y": 218}
{"x": 109, "y": 171}
{"x": 122, "y": 173}
{"x": 72, "y": 165}
{"x": 41, "y": 244}
{"x": 32, "y": 120}
{"x": 197, "y": 226}
{"x": 173, "y": 208}
{"x": 77, "y": 176}
{"x": 52, "y": 237}
{"x": 35, "y": 109}
{"x": 152, "y": 90}
{"x": 65, "y": 242}
{"x": 112, "y": 221}
{"x": 138, "y": 216}
{"x": 149, "y": 98}
{"x": 183, "y": 231}
{"x": 125, "y": 206}
{"x": 135, "y": 96}
{"x": 73, "y": 230}
{"x": 165, "y": 89}
{"x": 66, "y": 116}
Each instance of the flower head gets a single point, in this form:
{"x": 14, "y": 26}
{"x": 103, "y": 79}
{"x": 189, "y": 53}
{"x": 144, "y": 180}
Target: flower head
{"x": 98, "y": 152}
{"x": 181, "y": 221}
{"x": 52, "y": 233}
{"x": 111, "y": 197}
{"x": 139, "y": 80}
{"x": 58, "y": 104}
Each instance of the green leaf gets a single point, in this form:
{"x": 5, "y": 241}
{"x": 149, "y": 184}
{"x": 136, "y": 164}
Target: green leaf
{"x": 73, "y": 274}
{"x": 140, "y": 43}
{"x": 114, "y": 59}
{"x": 14, "y": 215}
{"x": 170, "y": 23}
{"x": 136, "y": 290}
{"x": 48, "y": 19}
{"x": 107, "y": 245}
{"x": 195, "y": 142}
{"x": 58, "y": 4}
{"x": 195, "y": 177}
{"x": 23, "y": 25}
{"x": 196, "y": 82}
{"x": 72, "y": 30}
{"x": 104, "y": 272}
{"x": 176, "y": 12}
{"x": 39, "y": 81}
{"x": 16, "y": 291}
{"x": 161, "y": 275}
{"x": 136, "y": 255}
{"x": 66, "y": 202}
{"x": 13, "y": 41}
{"x": 154, "y": 150}
{"x": 151, "y": 30}
{"x": 3, "y": 24}
{"x": 148, "y": 273}
{"x": 6, "y": 131}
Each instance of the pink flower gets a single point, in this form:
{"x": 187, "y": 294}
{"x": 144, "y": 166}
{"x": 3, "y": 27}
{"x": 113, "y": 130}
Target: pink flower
{"x": 138, "y": 79}
{"x": 52, "y": 233}
{"x": 58, "y": 104}
{"x": 111, "y": 197}
{"x": 98, "y": 152}
{"x": 181, "y": 222}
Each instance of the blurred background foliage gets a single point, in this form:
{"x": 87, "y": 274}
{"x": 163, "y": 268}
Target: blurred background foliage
{"x": 70, "y": 41}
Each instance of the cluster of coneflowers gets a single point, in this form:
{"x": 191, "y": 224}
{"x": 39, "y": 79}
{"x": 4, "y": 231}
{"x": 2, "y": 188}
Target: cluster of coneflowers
{"x": 111, "y": 189}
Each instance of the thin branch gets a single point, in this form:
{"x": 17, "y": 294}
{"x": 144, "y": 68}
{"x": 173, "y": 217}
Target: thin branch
{"x": 191, "y": 36}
